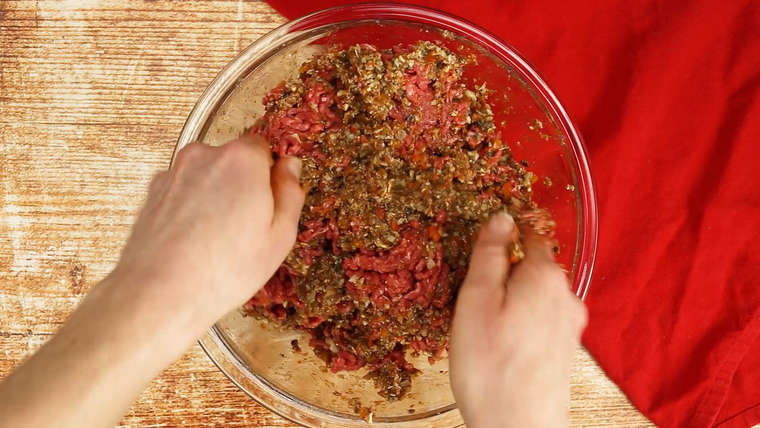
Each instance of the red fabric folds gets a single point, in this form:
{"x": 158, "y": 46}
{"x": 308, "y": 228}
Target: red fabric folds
{"x": 667, "y": 97}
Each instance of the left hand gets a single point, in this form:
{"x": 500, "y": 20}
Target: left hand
{"x": 216, "y": 226}
{"x": 212, "y": 231}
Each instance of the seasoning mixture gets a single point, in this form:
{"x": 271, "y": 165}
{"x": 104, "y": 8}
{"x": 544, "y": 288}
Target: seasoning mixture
{"x": 402, "y": 163}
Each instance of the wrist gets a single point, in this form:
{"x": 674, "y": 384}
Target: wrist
{"x": 155, "y": 310}
{"x": 119, "y": 338}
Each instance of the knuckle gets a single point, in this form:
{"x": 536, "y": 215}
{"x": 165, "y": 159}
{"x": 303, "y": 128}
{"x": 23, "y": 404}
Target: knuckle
{"x": 580, "y": 312}
{"x": 233, "y": 152}
{"x": 188, "y": 154}
{"x": 243, "y": 154}
{"x": 487, "y": 257}
{"x": 553, "y": 276}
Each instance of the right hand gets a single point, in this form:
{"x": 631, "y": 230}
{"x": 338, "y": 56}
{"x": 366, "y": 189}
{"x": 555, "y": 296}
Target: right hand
{"x": 514, "y": 334}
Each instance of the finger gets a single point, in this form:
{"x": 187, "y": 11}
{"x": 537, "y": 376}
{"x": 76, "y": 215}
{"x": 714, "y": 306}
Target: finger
{"x": 249, "y": 160}
{"x": 538, "y": 275}
{"x": 538, "y": 265}
{"x": 189, "y": 155}
{"x": 537, "y": 247}
{"x": 288, "y": 200}
{"x": 489, "y": 263}
{"x": 580, "y": 316}
{"x": 260, "y": 144}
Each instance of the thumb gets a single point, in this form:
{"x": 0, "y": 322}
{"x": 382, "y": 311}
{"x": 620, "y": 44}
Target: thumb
{"x": 288, "y": 200}
{"x": 489, "y": 263}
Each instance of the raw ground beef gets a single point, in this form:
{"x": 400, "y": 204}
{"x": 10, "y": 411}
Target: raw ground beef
{"x": 402, "y": 163}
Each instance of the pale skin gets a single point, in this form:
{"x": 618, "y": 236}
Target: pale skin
{"x": 212, "y": 231}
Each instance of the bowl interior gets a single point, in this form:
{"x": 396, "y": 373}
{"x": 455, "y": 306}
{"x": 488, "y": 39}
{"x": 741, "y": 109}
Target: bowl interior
{"x": 259, "y": 357}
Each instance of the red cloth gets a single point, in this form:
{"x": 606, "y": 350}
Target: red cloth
{"x": 667, "y": 97}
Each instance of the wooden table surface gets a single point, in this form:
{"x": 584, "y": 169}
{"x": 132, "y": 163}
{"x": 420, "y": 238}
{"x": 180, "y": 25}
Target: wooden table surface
{"x": 93, "y": 95}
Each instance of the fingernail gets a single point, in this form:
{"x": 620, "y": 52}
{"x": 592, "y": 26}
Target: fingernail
{"x": 507, "y": 221}
{"x": 294, "y": 166}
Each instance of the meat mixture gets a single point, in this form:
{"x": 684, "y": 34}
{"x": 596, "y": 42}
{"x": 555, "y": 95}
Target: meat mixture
{"x": 402, "y": 162}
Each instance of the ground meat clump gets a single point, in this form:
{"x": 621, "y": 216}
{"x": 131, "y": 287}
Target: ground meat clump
{"x": 402, "y": 163}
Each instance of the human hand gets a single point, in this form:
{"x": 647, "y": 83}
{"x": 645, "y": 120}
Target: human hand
{"x": 215, "y": 227}
{"x": 212, "y": 231}
{"x": 514, "y": 334}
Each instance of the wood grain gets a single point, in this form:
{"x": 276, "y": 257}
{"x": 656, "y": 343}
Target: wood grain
{"x": 93, "y": 95}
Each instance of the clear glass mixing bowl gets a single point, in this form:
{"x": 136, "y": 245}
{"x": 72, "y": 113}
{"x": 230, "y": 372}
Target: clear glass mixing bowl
{"x": 259, "y": 358}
